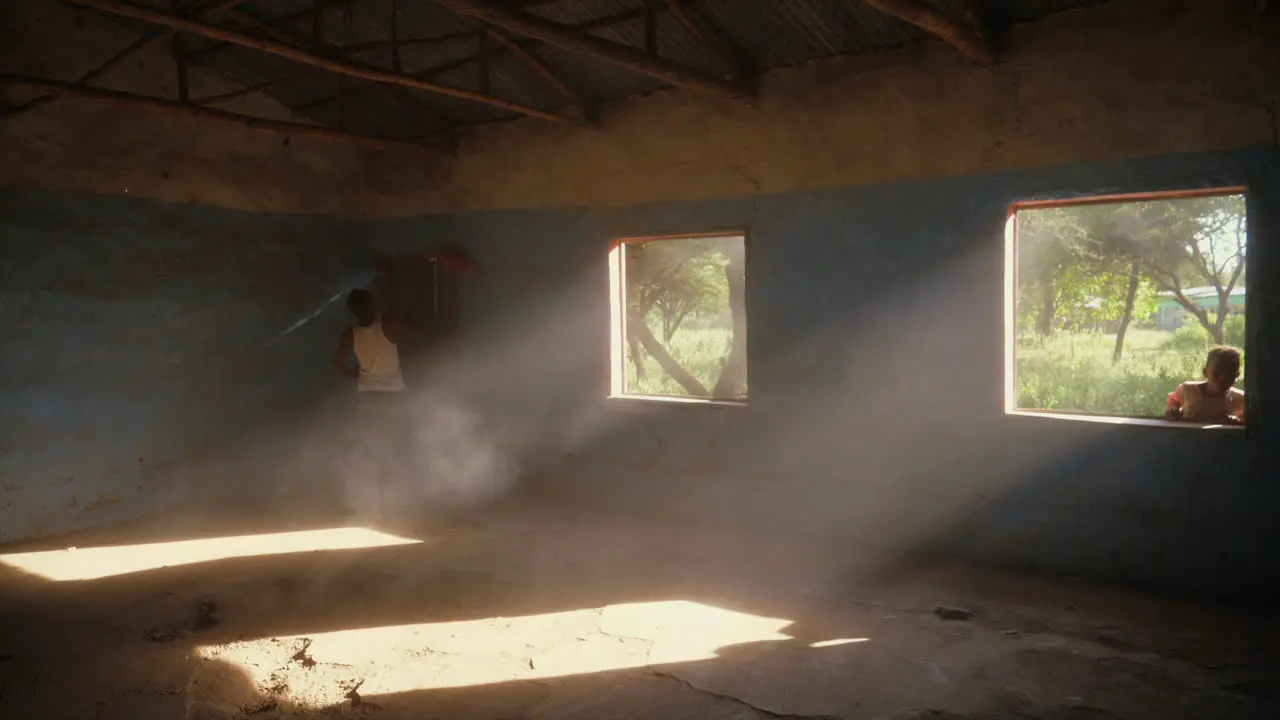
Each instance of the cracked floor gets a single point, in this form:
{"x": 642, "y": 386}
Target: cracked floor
{"x": 540, "y": 614}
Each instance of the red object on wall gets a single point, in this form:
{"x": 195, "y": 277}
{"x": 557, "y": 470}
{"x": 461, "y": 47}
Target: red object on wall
{"x": 451, "y": 259}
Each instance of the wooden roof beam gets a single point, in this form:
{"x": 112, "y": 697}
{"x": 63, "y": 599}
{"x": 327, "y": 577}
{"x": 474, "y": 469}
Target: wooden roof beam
{"x": 970, "y": 41}
{"x": 587, "y": 110}
{"x": 306, "y": 58}
{"x": 250, "y": 89}
{"x": 180, "y": 62}
{"x": 168, "y": 107}
{"x": 289, "y": 37}
{"x": 203, "y": 54}
{"x": 304, "y": 14}
{"x": 436, "y": 71}
{"x": 703, "y": 29}
{"x": 150, "y": 40}
{"x": 485, "y": 54}
{"x": 576, "y": 41}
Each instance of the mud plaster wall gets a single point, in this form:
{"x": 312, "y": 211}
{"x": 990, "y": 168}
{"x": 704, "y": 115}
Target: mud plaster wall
{"x": 1129, "y": 78}
{"x": 937, "y": 467}
{"x": 86, "y": 147}
{"x": 876, "y": 309}
{"x": 876, "y": 370}
{"x": 141, "y": 369}
{"x": 146, "y": 364}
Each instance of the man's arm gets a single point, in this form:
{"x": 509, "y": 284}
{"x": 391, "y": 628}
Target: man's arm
{"x": 342, "y": 355}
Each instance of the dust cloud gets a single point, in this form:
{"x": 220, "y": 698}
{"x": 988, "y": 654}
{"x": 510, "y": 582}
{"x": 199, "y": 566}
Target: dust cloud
{"x": 428, "y": 455}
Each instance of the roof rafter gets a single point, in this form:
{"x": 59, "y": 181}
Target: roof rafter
{"x": 150, "y": 40}
{"x": 588, "y": 111}
{"x": 970, "y": 41}
{"x": 307, "y": 58}
{"x": 395, "y": 44}
{"x": 617, "y": 53}
{"x": 169, "y": 107}
{"x": 285, "y": 35}
{"x": 651, "y": 27}
{"x": 204, "y": 54}
{"x": 279, "y": 28}
{"x": 438, "y": 70}
{"x": 485, "y": 54}
{"x": 179, "y": 50}
{"x": 394, "y": 31}
{"x": 250, "y": 89}
{"x": 493, "y": 28}
{"x": 392, "y": 43}
{"x": 703, "y": 29}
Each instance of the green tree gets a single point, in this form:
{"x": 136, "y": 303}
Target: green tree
{"x": 1064, "y": 281}
{"x": 670, "y": 281}
{"x": 1084, "y": 265}
{"x": 1047, "y": 252}
{"x": 1178, "y": 244}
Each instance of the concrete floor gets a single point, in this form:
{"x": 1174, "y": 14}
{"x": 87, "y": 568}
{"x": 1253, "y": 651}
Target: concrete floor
{"x": 537, "y": 613}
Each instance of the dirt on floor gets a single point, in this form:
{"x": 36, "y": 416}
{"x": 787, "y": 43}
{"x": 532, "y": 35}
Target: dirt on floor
{"x": 536, "y": 613}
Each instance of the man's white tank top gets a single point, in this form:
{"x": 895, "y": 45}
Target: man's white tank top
{"x": 379, "y": 359}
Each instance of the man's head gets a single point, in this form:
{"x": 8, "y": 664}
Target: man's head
{"x": 360, "y": 303}
{"x": 1222, "y": 369}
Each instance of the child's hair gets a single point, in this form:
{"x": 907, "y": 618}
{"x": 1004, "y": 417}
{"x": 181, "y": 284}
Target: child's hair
{"x": 1223, "y": 353}
{"x": 360, "y": 303}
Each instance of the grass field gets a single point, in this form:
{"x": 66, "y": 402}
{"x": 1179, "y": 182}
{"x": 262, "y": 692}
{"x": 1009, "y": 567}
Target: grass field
{"x": 1074, "y": 372}
{"x": 700, "y": 351}
{"x": 1067, "y": 372}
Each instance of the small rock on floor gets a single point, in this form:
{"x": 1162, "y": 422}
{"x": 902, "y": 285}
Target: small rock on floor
{"x": 949, "y": 612}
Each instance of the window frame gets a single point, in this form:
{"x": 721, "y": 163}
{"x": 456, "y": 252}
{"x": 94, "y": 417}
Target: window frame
{"x": 617, "y": 380}
{"x": 1010, "y": 400}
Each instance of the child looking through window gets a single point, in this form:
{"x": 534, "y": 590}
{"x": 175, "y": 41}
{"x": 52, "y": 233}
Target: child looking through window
{"x": 1214, "y": 400}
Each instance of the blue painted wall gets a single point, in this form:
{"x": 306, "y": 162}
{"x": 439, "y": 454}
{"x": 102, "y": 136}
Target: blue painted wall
{"x": 139, "y": 373}
{"x": 143, "y": 366}
{"x": 876, "y": 382}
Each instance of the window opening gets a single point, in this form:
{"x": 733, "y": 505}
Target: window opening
{"x": 679, "y": 317}
{"x": 1122, "y": 306}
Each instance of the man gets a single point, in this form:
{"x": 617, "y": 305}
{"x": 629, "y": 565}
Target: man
{"x": 373, "y": 340}
{"x": 383, "y": 422}
{"x": 380, "y": 418}
{"x": 375, "y": 337}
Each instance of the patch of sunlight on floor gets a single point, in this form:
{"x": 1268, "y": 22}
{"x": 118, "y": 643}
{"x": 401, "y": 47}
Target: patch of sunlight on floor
{"x": 106, "y": 561}
{"x": 405, "y": 658}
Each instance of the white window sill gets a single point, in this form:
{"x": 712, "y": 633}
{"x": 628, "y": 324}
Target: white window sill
{"x": 671, "y": 401}
{"x": 1121, "y": 420}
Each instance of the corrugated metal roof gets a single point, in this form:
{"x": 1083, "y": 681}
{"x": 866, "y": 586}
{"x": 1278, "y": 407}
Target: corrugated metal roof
{"x": 768, "y": 34}
{"x": 788, "y": 33}
{"x": 576, "y": 12}
{"x": 1027, "y": 10}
